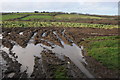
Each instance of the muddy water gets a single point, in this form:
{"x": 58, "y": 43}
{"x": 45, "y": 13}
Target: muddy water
{"x": 75, "y": 55}
{"x": 1, "y": 36}
{"x": 21, "y": 33}
{"x": 44, "y": 34}
{"x": 26, "y": 56}
{"x": 32, "y": 38}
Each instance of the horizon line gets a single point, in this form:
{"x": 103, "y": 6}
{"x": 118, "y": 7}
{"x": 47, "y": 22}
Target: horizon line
{"x": 58, "y": 11}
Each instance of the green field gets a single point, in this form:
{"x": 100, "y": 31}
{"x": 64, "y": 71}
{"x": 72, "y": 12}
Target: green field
{"x": 74, "y": 20}
{"x": 37, "y": 17}
{"x": 75, "y": 16}
{"x": 105, "y": 50}
{"x": 7, "y": 17}
{"x": 53, "y": 24}
{"x": 56, "y": 16}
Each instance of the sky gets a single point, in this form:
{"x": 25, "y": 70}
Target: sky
{"x": 101, "y": 7}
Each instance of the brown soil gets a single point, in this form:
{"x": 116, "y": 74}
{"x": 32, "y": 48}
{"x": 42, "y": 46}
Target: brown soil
{"x": 49, "y": 60}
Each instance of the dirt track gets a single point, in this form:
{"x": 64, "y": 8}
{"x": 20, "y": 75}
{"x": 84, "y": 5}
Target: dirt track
{"x": 49, "y": 38}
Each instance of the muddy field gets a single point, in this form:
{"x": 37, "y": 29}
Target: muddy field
{"x": 45, "y": 52}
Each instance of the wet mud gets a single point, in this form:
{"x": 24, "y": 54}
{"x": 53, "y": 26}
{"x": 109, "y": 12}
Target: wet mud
{"x": 40, "y": 52}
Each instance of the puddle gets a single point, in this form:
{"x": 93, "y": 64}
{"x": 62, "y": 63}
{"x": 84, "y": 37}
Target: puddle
{"x": 27, "y": 55}
{"x": 51, "y": 44}
{"x": 63, "y": 33}
{"x": 75, "y": 55}
{"x": 32, "y": 38}
{"x": 44, "y": 34}
{"x": 1, "y": 36}
{"x": 70, "y": 51}
{"x": 21, "y": 33}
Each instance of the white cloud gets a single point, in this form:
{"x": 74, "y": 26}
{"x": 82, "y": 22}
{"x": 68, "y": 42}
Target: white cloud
{"x": 79, "y": 7}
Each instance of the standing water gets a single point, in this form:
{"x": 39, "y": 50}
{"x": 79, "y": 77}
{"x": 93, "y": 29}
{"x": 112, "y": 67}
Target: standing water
{"x": 27, "y": 55}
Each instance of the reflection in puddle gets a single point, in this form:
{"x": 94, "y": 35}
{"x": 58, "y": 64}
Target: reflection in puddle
{"x": 70, "y": 51}
{"x": 27, "y": 55}
{"x": 44, "y": 34}
{"x": 21, "y": 33}
{"x": 75, "y": 55}
{"x": 1, "y": 36}
{"x": 32, "y": 38}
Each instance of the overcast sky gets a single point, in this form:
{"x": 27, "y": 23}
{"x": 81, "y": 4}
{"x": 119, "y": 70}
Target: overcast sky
{"x": 102, "y": 7}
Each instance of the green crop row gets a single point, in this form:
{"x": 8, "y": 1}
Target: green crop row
{"x": 53, "y": 24}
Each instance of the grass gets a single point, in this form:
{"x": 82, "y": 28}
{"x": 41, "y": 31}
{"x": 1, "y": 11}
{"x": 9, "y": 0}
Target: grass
{"x": 37, "y": 17}
{"x": 60, "y": 72}
{"x": 53, "y": 24}
{"x": 75, "y": 16}
{"x": 7, "y": 17}
{"x": 104, "y": 38}
{"x": 105, "y": 50}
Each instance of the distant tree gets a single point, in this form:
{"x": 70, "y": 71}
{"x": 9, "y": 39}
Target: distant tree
{"x": 73, "y": 13}
{"x": 36, "y": 11}
{"x": 43, "y": 12}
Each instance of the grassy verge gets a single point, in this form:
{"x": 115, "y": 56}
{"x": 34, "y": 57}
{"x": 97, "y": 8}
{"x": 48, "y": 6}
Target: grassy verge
{"x": 104, "y": 50}
{"x": 53, "y": 24}
{"x": 60, "y": 72}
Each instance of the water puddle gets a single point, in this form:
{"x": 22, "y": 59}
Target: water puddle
{"x": 75, "y": 55}
{"x": 21, "y": 33}
{"x": 1, "y": 36}
{"x": 50, "y": 43}
{"x": 63, "y": 33}
{"x": 27, "y": 55}
{"x": 70, "y": 51}
{"x": 32, "y": 38}
{"x": 44, "y": 34}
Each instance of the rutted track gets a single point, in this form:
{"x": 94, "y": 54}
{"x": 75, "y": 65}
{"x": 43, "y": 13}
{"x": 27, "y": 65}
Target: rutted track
{"x": 46, "y": 49}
